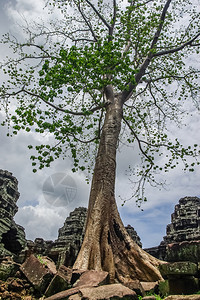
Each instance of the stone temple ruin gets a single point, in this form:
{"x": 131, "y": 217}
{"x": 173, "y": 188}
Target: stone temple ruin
{"x": 12, "y": 236}
{"x": 63, "y": 250}
{"x": 182, "y": 240}
{"x": 185, "y": 221}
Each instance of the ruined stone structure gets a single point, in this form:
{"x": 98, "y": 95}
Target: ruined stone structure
{"x": 65, "y": 249}
{"x": 12, "y": 236}
{"x": 133, "y": 234}
{"x": 182, "y": 232}
{"x": 185, "y": 221}
{"x": 182, "y": 240}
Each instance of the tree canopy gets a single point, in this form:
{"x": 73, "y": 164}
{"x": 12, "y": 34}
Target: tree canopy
{"x": 64, "y": 74}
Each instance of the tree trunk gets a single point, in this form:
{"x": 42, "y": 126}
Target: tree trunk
{"x": 107, "y": 245}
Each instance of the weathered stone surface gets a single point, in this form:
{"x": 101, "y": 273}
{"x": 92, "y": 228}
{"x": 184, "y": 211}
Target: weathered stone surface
{"x": 163, "y": 288}
{"x": 133, "y": 234}
{"x": 178, "y": 268}
{"x": 16, "y": 285}
{"x": 149, "y": 298}
{"x": 37, "y": 273}
{"x": 107, "y": 292}
{"x": 65, "y": 249}
{"x": 76, "y": 275}
{"x": 184, "y": 251}
{"x": 184, "y": 228}
{"x": 158, "y": 251}
{"x": 181, "y": 277}
{"x": 40, "y": 246}
{"x": 48, "y": 264}
{"x": 94, "y": 293}
{"x": 60, "y": 281}
{"x": 183, "y": 285}
{"x": 135, "y": 285}
{"x": 12, "y": 236}
{"x": 64, "y": 294}
{"x": 183, "y": 297}
{"x": 149, "y": 286}
{"x": 8, "y": 268}
{"x": 185, "y": 221}
{"x": 92, "y": 278}
{"x": 15, "y": 288}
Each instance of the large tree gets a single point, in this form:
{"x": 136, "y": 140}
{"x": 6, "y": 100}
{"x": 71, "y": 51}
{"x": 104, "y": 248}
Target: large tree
{"x": 107, "y": 64}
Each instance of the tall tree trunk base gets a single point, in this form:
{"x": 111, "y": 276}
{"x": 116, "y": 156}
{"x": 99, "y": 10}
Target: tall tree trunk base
{"x": 107, "y": 246}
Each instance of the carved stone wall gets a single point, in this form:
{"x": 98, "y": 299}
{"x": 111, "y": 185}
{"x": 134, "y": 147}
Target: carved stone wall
{"x": 12, "y": 236}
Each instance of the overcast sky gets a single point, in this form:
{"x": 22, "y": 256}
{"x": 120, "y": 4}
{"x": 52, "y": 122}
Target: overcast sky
{"x": 40, "y": 216}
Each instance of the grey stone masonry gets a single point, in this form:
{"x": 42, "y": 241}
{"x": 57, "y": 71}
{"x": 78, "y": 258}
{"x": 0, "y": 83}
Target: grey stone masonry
{"x": 133, "y": 234}
{"x": 185, "y": 221}
{"x": 70, "y": 237}
{"x": 12, "y": 236}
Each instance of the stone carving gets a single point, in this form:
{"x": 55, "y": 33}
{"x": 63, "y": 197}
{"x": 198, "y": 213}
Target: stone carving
{"x": 12, "y": 236}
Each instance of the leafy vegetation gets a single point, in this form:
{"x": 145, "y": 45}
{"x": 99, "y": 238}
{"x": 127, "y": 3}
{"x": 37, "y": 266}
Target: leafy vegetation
{"x": 59, "y": 78}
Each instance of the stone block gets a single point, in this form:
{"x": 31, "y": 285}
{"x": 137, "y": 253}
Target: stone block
{"x": 149, "y": 286}
{"x": 184, "y": 251}
{"x": 110, "y": 291}
{"x": 64, "y": 294}
{"x": 185, "y": 285}
{"x": 92, "y": 278}
{"x": 149, "y": 298}
{"x": 76, "y": 275}
{"x": 60, "y": 281}
{"x": 178, "y": 269}
{"x": 163, "y": 288}
{"x": 115, "y": 291}
{"x": 38, "y": 273}
{"x": 183, "y": 297}
{"x": 135, "y": 285}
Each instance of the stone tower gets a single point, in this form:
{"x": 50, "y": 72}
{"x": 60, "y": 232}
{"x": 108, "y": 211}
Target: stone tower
{"x": 185, "y": 222}
{"x": 12, "y": 236}
{"x": 70, "y": 237}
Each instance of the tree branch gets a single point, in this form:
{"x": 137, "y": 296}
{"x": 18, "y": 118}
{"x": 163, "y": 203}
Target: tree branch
{"x": 113, "y": 18}
{"x": 87, "y": 23}
{"x": 75, "y": 113}
{"x": 188, "y": 43}
{"x": 139, "y": 142}
{"x": 98, "y": 14}
{"x": 127, "y": 93}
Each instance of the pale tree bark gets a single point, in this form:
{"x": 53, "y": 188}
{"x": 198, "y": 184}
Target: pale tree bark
{"x": 107, "y": 245}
